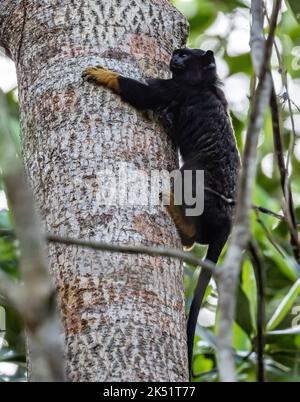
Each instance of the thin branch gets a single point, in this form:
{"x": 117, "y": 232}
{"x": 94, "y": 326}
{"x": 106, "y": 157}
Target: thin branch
{"x": 257, "y": 39}
{"x": 39, "y": 310}
{"x": 185, "y": 256}
{"x": 269, "y": 235}
{"x": 288, "y": 209}
{"x": 138, "y": 249}
{"x": 267, "y": 211}
{"x": 260, "y": 316}
{"x": 231, "y": 201}
{"x": 229, "y": 272}
{"x": 293, "y": 103}
{"x": 284, "y": 78}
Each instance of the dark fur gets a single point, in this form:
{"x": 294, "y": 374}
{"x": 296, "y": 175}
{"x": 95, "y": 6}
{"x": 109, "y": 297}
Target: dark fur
{"x": 195, "y": 109}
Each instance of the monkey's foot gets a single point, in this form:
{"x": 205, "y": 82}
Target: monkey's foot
{"x": 102, "y": 76}
{"x": 186, "y": 229}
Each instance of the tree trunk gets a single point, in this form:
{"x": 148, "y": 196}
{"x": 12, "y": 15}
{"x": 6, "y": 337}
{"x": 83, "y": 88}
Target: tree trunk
{"x": 123, "y": 314}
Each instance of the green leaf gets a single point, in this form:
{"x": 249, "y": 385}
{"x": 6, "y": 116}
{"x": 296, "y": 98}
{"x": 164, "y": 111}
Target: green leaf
{"x": 250, "y": 289}
{"x": 241, "y": 341}
{"x": 284, "y": 307}
{"x": 199, "y": 250}
{"x": 201, "y": 364}
{"x": 295, "y": 6}
{"x": 243, "y": 312}
{"x": 287, "y": 266}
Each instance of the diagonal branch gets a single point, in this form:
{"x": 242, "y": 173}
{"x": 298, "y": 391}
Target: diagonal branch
{"x": 229, "y": 272}
{"x": 260, "y": 315}
{"x": 288, "y": 210}
{"x": 257, "y": 38}
{"x": 36, "y": 295}
{"x": 185, "y": 256}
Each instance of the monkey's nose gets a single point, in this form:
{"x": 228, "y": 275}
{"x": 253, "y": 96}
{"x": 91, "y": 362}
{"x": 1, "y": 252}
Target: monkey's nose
{"x": 177, "y": 62}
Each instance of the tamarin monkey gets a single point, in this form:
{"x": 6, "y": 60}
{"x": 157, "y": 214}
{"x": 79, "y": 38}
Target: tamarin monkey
{"x": 195, "y": 108}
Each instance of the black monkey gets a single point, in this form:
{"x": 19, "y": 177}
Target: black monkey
{"x": 195, "y": 107}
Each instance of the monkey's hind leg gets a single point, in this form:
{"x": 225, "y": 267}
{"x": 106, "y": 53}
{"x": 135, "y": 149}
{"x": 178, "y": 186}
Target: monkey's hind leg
{"x": 186, "y": 229}
{"x": 103, "y": 77}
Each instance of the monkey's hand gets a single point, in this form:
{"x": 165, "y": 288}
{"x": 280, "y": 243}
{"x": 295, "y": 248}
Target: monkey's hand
{"x": 102, "y": 76}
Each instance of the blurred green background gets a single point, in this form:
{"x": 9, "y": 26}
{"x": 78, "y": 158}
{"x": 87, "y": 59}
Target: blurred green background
{"x": 223, "y": 26}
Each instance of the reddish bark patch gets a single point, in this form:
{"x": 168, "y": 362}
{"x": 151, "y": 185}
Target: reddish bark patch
{"x": 147, "y": 226}
{"x": 92, "y": 295}
{"x": 117, "y": 54}
{"x": 58, "y": 101}
{"x": 144, "y": 46}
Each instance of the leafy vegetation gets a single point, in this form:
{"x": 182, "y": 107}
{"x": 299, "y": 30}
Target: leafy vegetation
{"x": 223, "y": 26}
{"x": 12, "y": 351}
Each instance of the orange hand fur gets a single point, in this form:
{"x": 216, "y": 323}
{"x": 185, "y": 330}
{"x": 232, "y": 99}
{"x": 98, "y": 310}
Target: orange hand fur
{"x": 102, "y": 76}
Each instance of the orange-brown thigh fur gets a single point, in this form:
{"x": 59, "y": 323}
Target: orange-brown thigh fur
{"x": 186, "y": 230}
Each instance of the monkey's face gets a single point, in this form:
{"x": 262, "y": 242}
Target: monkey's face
{"x": 193, "y": 64}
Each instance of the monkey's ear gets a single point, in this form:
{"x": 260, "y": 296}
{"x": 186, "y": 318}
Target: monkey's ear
{"x": 210, "y": 59}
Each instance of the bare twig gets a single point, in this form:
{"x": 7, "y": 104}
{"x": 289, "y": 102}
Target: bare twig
{"x": 269, "y": 235}
{"x": 284, "y": 78}
{"x": 231, "y": 201}
{"x": 294, "y": 104}
{"x": 257, "y": 39}
{"x": 229, "y": 272}
{"x": 38, "y": 310}
{"x": 138, "y": 249}
{"x": 123, "y": 248}
{"x": 288, "y": 209}
{"x": 260, "y": 320}
{"x": 267, "y": 211}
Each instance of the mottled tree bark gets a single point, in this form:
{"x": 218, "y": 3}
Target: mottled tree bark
{"x": 123, "y": 314}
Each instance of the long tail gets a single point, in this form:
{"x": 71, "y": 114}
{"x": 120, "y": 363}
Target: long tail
{"x": 203, "y": 281}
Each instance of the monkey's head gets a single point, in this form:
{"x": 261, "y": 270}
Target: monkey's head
{"x": 194, "y": 65}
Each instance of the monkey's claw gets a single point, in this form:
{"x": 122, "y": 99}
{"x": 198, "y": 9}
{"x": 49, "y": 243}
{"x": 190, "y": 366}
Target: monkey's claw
{"x": 102, "y": 76}
{"x": 90, "y": 72}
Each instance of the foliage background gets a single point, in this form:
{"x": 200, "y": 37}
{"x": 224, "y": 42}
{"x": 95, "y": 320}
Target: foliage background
{"x": 223, "y": 26}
